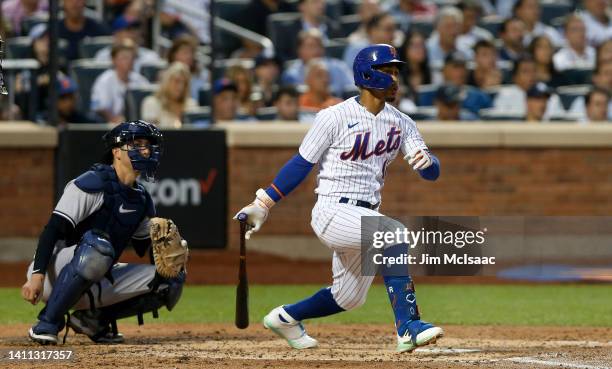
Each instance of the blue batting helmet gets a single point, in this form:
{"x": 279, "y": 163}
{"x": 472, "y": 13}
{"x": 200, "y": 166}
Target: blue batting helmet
{"x": 366, "y": 61}
{"x": 126, "y": 133}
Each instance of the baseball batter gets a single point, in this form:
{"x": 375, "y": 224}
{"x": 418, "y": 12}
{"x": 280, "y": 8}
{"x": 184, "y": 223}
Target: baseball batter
{"x": 98, "y": 215}
{"x": 353, "y": 142}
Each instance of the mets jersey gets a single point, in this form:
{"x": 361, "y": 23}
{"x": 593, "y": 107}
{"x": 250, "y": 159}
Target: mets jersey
{"x": 353, "y": 148}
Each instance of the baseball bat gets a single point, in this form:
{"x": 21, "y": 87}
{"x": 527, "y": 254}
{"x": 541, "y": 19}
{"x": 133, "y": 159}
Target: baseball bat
{"x": 242, "y": 291}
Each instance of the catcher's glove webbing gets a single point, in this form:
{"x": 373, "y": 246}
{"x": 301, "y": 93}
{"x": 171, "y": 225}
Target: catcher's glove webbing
{"x": 170, "y": 250}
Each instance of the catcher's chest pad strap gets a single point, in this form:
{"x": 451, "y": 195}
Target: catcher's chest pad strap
{"x": 123, "y": 208}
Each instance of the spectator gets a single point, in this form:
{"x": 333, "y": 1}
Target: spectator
{"x": 597, "y": 101}
{"x": 512, "y": 33}
{"x": 196, "y": 21}
{"x": 184, "y": 50}
{"x": 485, "y": 73}
{"x": 124, "y": 29}
{"x": 604, "y": 51}
{"x": 455, "y": 73}
{"x": 416, "y": 71}
{"x": 529, "y": 12}
{"x": 367, "y": 9}
{"x": 287, "y": 104}
{"x": 310, "y": 46}
{"x": 318, "y": 96}
{"x": 448, "y": 102}
{"x": 39, "y": 35}
{"x": 537, "y": 99}
{"x": 406, "y": 11}
{"x": 577, "y": 54}
{"x": 471, "y": 33}
{"x": 267, "y": 72}
{"x": 443, "y": 41}
{"x": 243, "y": 81}
{"x": 313, "y": 16}
{"x": 166, "y": 107}
{"x": 602, "y": 79}
{"x": 380, "y": 30}
{"x": 108, "y": 91}
{"x": 76, "y": 26}
{"x": 16, "y": 11}
{"x": 597, "y": 21}
{"x": 542, "y": 51}
{"x": 67, "y": 108}
{"x": 512, "y": 99}
{"x": 225, "y": 100}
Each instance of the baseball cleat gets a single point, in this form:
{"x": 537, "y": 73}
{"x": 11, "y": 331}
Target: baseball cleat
{"x": 85, "y": 322}
{"x": 281, "y": 323}
{"x": 419, "y": 333}
{"x": 42, "y": 338}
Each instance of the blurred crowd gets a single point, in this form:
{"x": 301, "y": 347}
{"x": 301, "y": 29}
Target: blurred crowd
{"x": 525, "y": 60}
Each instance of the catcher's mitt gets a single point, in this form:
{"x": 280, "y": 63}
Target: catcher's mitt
{"x": 170, "y": 251}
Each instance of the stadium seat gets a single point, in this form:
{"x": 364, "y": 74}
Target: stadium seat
{"x": 91, "y": 45}
{"x": 134, "y": 98}
{"x": 85, "y": 72}
{"x": 552, "y": 9}
{"x": 279, "y": 26}
{"x": 334, "y": 9}
{"x": 424, "y": 113}
{"x": 426, "y": 95}
{"x": 573, "y": 77}
{"x": 491, "y": 114}
{"x": 204, "y": 97}
{"x": 266, "y": 113}
{"x": 229, "y": 9}
{"x": 19, "y": 48}
{"x": 423, "y": 27}
{"x": 568, "y": 94}
{"x": 28, "y": 22}
{"x": 199, "y": 116}
{"x": 491, "y": 23}
{"x": 152, "y": 71}
{"x": 335, "y": 48}
{"x": 349, "y": 24}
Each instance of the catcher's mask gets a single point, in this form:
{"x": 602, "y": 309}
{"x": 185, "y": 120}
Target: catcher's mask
{"x": 126, "y": 133}
{"x": 3, "y": 90}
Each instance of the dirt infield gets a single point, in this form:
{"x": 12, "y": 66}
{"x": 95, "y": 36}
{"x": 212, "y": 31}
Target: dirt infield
{"x": 341, "y": 346}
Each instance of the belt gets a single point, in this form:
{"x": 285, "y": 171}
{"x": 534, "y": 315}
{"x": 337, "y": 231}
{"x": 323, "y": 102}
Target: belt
{"x": 360, "y": 203}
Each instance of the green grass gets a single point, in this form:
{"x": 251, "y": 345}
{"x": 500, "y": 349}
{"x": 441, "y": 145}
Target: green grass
{"x": 564, "y": 305}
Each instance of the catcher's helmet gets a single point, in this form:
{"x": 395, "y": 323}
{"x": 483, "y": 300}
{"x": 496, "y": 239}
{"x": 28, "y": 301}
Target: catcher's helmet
{"x": 129, "y": 131}
{"x": 366, "y": 61}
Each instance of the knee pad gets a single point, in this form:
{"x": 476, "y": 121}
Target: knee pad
{"x": 93, "y": 257}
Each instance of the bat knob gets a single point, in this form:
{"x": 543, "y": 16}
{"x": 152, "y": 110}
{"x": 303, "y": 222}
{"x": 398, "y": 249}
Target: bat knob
{"x": 242, "y": 217}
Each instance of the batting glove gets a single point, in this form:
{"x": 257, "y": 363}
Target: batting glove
{"x": 256, "y": 212}
{"x": 419, "y": 159}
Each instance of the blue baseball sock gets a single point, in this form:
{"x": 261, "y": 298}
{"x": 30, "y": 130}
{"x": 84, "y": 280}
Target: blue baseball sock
{"x": 320, "y": 304}
{"x": 403, "y": 301}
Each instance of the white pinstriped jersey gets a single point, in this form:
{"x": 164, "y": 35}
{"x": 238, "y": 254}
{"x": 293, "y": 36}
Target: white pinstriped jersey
{"x": 354, "y": 147}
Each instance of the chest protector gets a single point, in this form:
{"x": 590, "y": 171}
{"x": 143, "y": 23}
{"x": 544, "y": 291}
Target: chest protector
{"x": 122, "y": 211}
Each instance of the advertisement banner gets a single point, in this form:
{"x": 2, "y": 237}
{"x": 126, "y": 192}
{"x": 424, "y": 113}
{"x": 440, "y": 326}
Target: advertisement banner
{"x": 191, "y": 185}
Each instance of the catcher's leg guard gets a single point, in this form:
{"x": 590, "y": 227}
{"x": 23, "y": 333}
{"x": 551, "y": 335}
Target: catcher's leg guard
{"x": 166, "y": 293}
{"x": 92, "y": 259}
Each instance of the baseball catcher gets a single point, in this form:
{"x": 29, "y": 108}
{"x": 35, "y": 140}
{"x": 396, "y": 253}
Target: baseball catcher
{"x": 100, "y": 213}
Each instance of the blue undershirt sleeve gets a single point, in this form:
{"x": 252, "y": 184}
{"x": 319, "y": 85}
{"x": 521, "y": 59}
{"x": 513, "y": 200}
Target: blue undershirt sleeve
{"x": 289, "y": 177}
{"x": 432, "y": 172}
